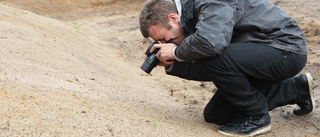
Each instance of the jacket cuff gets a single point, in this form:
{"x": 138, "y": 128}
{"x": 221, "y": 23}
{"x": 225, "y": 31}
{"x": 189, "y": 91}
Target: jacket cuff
{"x": 175, "y": 68}
{"x": 174, "y": 55}
{"x": 169, "y": 69}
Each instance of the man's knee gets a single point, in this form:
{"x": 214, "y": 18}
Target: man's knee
{"x": 206, "y": 117}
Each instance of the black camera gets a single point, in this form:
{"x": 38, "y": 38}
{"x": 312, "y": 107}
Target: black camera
{"x": 151, "y": 59}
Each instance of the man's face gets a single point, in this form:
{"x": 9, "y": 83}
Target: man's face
{"x": 162, "y": 34}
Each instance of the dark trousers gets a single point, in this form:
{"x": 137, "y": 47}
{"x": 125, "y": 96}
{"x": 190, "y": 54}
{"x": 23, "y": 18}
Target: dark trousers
{"x": 251, "y": 79}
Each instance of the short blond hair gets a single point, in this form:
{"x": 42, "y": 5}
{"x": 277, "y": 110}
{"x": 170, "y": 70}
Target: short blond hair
{"x": 155, "y": 12}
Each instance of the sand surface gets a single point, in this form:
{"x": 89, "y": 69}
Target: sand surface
{"x": 72, "y": 68}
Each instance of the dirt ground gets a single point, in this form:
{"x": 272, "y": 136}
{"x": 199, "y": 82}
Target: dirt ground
{"x": 72, "y": 68}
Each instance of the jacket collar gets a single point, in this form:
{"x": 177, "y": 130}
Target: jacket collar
{"x": 179, "y": 8}
{"x": 186, "y": 14}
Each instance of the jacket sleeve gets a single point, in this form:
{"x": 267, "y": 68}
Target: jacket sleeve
{"x": 213, "y": 30}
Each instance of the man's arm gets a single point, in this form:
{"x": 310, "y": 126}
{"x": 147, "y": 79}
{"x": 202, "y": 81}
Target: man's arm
{"x": 213, "y": 30}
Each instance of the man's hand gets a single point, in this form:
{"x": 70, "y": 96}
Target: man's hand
{"x": 165, "y": 53}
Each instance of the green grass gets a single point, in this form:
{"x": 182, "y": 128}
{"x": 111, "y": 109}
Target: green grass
{"x": 154, "y": 121}
{"x": 80, "y": 31}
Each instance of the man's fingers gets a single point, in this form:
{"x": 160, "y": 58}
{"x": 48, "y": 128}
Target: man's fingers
{"x": 155, "y": 46}
{"x": 158, "y": 46}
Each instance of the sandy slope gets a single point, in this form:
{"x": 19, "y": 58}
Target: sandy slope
{"x": 79, "y": 75}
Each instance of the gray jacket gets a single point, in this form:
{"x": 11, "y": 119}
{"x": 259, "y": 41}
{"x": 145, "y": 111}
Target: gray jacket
{"x": 211, "y": 25}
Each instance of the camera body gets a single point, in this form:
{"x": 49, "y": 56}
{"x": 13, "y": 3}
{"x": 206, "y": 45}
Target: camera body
{"x": 151, "y": 60}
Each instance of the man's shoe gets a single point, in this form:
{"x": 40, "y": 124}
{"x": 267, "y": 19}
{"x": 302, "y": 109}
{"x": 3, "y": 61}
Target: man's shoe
{"x": 305, "y": 100}
{"x": 247, "y": 126}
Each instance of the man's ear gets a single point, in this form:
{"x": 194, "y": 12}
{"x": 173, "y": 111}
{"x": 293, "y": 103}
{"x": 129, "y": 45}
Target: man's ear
{"x": 173, "y": 17}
